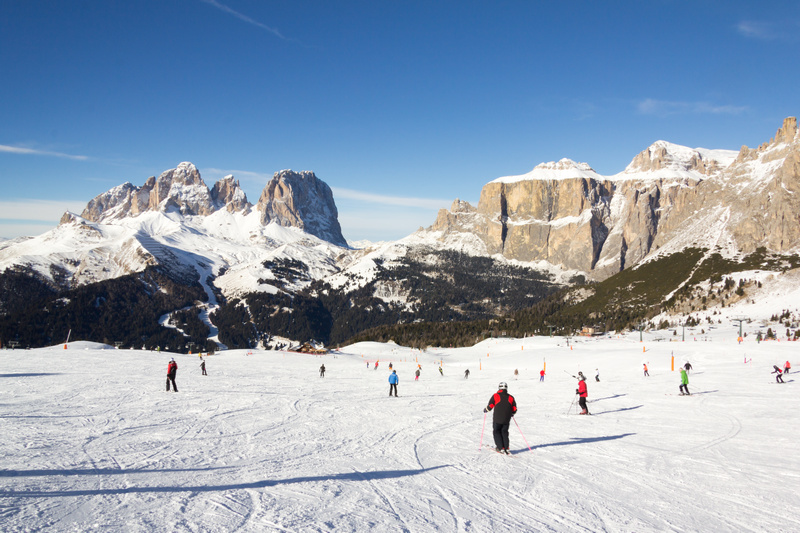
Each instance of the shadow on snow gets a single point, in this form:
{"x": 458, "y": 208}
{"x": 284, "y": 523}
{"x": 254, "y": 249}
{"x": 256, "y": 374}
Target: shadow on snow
{"x": 577, "y": 440}
{"x": 30, "y": 374}
{"x": 98, "y": 471}
{"x": 618, "y": 410}
{"x": 350, "y": 476}
{"x": 607, "y": 398}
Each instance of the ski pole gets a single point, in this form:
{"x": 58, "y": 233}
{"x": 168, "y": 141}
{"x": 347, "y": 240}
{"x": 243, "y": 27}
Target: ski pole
{"x": 482, "y": 428}
{"x": 570, "y": 405}
{"x": 523, "y": 435}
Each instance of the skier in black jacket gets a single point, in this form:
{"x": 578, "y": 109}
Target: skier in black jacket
{"x": 504, "y": 406}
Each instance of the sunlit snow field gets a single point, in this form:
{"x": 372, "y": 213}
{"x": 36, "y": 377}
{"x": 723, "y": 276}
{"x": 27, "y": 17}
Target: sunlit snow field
{"x": 91, "y": 440}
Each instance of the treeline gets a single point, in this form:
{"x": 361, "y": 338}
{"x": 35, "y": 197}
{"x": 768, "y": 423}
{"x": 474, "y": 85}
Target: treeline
{"x": 437, "y": 287}
{"x": 124, "y": 310}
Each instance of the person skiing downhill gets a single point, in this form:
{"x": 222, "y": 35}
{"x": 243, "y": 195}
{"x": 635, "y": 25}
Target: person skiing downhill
{"x": 787, "y": 367}
{"x": 172, "y": 371}
{"x": 646, "y": 373}
{"x": 393, "y": 381}
{"x": 541, "y": 375}
{"x": 466, "y": 374}
{"x": 203, "y": 366}
{"x": 322, "y": 371}
{"x": 416, "y": 375}
{"x": 778, "y": 372}
{"x": 597, "y": 375}
{"x": 504, "y": 406}
{"x": 684, "y": 388}
{"x": 582, "y": 392}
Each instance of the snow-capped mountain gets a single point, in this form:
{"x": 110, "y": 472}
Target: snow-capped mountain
{"x": 177, "y": 222}
{"x": 283, "y": 265}
{"x": 668, "y": 197}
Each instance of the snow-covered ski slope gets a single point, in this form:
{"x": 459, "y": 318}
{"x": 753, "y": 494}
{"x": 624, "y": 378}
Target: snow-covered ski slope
{"x": 92, "y": 442}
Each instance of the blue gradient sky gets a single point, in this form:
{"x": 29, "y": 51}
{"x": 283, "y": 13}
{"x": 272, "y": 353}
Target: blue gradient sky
{"x": 399, "y": 106}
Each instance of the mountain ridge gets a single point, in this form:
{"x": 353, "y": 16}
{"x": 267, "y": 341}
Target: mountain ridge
{"x": 561, "y": 224}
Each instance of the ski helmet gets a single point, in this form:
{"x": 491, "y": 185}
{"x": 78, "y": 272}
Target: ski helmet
{"x": 502, "y": 386}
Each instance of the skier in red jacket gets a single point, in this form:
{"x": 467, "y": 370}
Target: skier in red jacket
{"x": 583, "y": 392}
{"x": 504, "y": 406}
{"x": 172, "y": 371}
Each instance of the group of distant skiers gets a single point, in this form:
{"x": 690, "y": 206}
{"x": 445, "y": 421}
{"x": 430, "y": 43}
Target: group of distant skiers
{"x": 502, "y": 404}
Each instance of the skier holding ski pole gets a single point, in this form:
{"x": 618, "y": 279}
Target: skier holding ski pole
{"x": 582, "y": 392}
{"x": 505, "y": 407}
{"x": 684, "y": 388}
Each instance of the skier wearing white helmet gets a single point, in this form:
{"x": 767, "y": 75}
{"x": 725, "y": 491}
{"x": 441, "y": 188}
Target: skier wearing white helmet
{"x": 504, "y": 406}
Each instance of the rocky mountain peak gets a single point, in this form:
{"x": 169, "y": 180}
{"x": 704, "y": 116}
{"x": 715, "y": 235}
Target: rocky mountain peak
{"x": 182, "y": 189}
{"x": 227, "y": 194}
{"x": 179, "y": 189}
{"x": 663, "y": 155}
{"x": 564, "y": 164}
{"x": 788, "y": 132}
{"x": 301, "y": 200}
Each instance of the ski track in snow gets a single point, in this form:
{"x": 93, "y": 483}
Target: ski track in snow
{"x": 93, "y": 442}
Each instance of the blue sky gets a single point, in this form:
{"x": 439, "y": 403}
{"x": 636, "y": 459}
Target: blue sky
{"x": 400, "y": 106}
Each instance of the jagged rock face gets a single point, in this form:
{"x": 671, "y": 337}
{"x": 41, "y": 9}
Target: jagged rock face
{"x": 662, "y": 155}
{"x": 115, "y": 203}
{"x": 550, "y": 219}
{"x": 301, "y": 200}
{"x": 765, "y": 207}
{"x": 227, "y": 193}
{"x": 180, "y": 189}
{"x": 296, "y": 199}
{"x": 568, "y": 215}
{"x": 183, "y": 189}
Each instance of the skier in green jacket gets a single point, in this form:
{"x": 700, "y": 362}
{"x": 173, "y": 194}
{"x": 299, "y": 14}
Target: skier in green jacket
{"x": 684, "y": 388}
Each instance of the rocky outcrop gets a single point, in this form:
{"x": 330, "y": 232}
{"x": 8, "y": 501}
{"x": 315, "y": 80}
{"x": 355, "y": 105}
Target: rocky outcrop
{"x": 568, "y": 215}
{"x": 301, "y": 200}
{"x": 296, "y": 199}
{"x": 180, "y": 189}
{"x": 228, "y": 195}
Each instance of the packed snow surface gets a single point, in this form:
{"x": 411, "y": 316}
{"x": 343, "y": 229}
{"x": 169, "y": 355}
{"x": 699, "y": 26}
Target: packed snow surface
{"x": 91, "y": 440}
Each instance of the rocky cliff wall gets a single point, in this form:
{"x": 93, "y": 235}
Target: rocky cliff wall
{"x": 602, "y": 225}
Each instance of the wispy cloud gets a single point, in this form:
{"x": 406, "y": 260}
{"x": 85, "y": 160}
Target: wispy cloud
{"x": 403, "y": 201}
{"x": 31, "y": 151}
{"x": 244, "y": 18}
{"x": 650, "y": 106}
{"x": 260, "y": 178}
{"x": 38, "y": 210}
{"x": 786, "y": 31}
{"x": 26, "y": 217}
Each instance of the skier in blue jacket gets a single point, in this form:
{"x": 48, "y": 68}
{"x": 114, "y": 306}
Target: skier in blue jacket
{"x": 393, "y": 380}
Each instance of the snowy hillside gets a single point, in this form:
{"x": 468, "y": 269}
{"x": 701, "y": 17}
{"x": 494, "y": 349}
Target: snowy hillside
{"x": 93, "y": 442}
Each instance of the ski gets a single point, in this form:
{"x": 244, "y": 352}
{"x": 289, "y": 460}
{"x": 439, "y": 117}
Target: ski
{"x": 492, "y": 448}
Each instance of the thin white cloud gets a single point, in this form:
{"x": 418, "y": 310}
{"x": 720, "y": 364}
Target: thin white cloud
{"x": 38, "y": 210}
{"x": 381, "y": 222}
{"x": 403, "y": 201}
{"x": 769, "y": 31}
{"x": 244, "y": 18}
{"x": 31, "y": 151}
{"x": 12, "y": 230}
{"x": 650, "y": 106}
{"x": 242, "y": 175}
